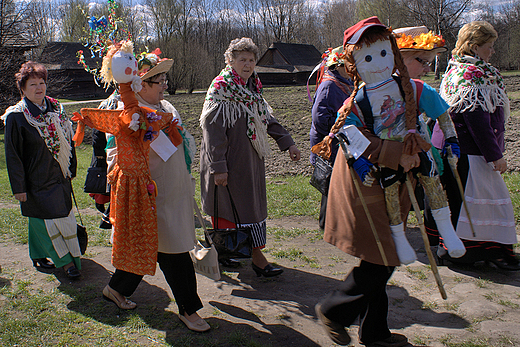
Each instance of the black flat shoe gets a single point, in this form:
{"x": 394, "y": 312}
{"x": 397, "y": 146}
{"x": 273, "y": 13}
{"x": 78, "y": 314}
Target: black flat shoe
{"x": 505, "y": 265}
{"x": 72, "y": 273}
{"x": 267, "y": 271}
{"x": 229, "y": 263}
{"x": 44, "y": 263}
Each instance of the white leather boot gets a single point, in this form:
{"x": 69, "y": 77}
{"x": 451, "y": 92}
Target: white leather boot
{"x": 405, "y": 252}
{"x": 451, "y": 240}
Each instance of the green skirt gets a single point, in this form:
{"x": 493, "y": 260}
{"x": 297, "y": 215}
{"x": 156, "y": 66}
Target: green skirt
{"x": 40, "y": 245}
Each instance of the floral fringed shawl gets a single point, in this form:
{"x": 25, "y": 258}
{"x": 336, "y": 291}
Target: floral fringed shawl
{"x": 470, "y": 83}
{"x": 230, "y": 96}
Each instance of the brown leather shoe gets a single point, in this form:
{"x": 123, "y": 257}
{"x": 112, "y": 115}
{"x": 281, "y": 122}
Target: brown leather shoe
{"x": 336, "y": 331}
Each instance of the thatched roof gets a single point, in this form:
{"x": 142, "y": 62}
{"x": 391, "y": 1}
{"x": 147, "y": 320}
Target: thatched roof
{"x": 18, "y": 40}
{"x": 62, "y": 56}
{"x": 288, "y": 58}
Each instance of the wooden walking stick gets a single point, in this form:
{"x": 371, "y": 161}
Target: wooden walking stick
{"x": 343, "y": 140}
{"x": 455, "y": 172}
{"x": 433, "y": 264}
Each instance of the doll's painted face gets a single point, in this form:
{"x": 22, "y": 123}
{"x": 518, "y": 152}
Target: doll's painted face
{"x": 124, "y": 67}
{"x": 375, "y": 62}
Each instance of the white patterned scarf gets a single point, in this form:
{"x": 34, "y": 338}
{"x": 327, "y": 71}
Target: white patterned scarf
{"x": 230, "y": 96}
{"x": 470, "y": 83}
{"x": 54, "y": 128}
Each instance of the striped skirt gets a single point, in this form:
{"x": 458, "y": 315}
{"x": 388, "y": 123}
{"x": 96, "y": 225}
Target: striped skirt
{"x": 55, "y": 239}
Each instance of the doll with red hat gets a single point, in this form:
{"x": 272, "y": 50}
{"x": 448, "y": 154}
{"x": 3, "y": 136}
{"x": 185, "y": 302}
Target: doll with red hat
{"x": 385, "y": 109}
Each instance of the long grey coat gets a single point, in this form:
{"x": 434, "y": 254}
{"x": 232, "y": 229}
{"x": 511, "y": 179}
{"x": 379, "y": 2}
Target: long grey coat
{"x": 230, "y": 150}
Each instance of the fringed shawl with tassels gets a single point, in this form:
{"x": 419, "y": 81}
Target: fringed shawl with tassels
{"x": 54, "y": 128}
{"x": 470, "y": 83}
{"x": 229, "y": 95}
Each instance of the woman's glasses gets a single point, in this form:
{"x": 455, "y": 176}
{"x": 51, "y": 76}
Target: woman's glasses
{"x": 424, "y": 63}
{"x": 161, "y": 83}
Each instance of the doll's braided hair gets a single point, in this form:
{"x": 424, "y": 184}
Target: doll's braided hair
{"x": 413, "y": 142}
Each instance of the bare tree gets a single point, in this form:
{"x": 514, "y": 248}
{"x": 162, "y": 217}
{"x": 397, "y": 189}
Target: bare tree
{"x": 280, "y": 18}
{"x": 13, "y": 44}
{"x": 249, "y": 20}
{"x": 389, "y": 12}
{"x": 336, "y": 17}
{"x": 441, "y": 16}
{"x": 74, "y": 19}
{"x": 40, "y": 24}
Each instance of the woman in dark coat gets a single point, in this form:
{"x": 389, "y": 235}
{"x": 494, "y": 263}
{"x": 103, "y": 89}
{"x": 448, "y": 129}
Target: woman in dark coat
{"x": 41, "y": 161}
{"x": 334, "y": 87}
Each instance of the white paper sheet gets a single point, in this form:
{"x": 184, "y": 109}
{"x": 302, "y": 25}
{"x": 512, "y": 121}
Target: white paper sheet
{"x": 163, "y": 146}
{"x": 358, "y": 141}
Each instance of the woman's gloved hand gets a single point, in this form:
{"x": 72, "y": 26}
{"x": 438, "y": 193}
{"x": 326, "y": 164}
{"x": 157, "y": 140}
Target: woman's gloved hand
{"x": 452, "y": 143}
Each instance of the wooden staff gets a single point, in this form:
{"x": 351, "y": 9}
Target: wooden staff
{"x": 433, "y": 264}
{"x": 455, "y": 172}
{"x": 343, "y": 142}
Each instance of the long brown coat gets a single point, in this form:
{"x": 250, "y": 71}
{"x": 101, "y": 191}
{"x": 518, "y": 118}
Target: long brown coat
{"x": 229, "y": 150}
{"x": 346, "y": 223}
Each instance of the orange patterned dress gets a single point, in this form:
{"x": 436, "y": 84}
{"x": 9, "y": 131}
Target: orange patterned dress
{"x": 132, "y": 204}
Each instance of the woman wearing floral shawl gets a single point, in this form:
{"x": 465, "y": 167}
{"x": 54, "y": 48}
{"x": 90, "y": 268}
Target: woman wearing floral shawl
{"x": 479, "y": 108}
{"x": 41, "y": 161}
{"x": 235, "y": 122}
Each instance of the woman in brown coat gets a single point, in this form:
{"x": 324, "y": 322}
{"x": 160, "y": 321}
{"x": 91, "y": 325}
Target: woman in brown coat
{"x": 235, "y": 123}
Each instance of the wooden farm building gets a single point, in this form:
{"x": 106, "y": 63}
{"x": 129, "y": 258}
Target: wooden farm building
{"x": 62, "y": 63}
{"x": 13, "y": 47}
{"x": 287, "y": 63}
{"x": 16, "y": 42}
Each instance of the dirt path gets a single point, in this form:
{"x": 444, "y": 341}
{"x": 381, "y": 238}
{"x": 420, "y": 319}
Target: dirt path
{"x": 483, "y": 302}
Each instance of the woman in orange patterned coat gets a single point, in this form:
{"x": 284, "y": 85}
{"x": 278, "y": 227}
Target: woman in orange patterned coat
{"x": 133, "y": 212}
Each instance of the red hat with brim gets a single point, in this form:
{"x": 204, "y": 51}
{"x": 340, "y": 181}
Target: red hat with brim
{"x": 353, "y": 33}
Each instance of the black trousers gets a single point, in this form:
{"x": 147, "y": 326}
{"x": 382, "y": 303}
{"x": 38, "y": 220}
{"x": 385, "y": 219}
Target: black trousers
{"x": 323, "y": 211}
{"x": 178, "y": 272}
{"x": 363, "y": 295}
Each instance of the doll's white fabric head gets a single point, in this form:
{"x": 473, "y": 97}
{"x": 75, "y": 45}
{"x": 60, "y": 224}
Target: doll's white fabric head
{"x": 120, "y": 66}
{"x": 375, "y": 63}
{"x": 124, "y": 66}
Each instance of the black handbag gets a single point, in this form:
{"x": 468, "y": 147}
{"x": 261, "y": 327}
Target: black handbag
{"x": 82, "y": 238}
{"x": 320, "y": 178}
{"x": 231, "y": 243}
{"x": 81, "y": 231}
{"x": 96, "y": 180}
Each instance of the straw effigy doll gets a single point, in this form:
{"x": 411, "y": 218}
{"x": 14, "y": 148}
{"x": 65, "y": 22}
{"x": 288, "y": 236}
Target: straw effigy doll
{"x": 372, "y": 56}
{"x": 132, "y": 212}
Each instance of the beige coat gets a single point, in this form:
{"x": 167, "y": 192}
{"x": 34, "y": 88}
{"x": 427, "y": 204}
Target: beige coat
{"x": 346, "y": 223}
{"x": 175, "y": 192}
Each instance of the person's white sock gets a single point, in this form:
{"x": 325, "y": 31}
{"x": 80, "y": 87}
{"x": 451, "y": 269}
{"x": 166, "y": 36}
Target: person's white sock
{"x": 405, "y": 252}
{"x": 451, "y": 240}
